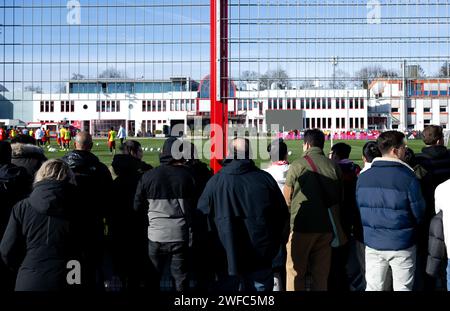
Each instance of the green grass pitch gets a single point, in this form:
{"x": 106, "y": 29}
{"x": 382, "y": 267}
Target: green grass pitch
{"x": 152, "y": 145}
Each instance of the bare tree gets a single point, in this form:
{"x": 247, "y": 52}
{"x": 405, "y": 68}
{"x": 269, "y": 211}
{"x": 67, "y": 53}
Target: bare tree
{"x": 248, "y": 77}
{"x": 33, "y": 88}
{"x": 307, "y": 84}
{"x": 77, "y": 76}
{"x": 341, "y": 80}
{"x": 61, "y": 88}
{"x": 112, "y": 73}
{"x": 444, "y": 71}
{"x": 275, "y": 78}
{"x": 367, "y": 74}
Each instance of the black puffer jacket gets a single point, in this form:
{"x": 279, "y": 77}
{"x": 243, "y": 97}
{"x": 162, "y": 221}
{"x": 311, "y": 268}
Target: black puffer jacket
{"x": 127, "y": 227}
{"x": 15, "y": 185}
{"x": 40, "y": 237}
{"x": 437, "y": 255}
{"x": 28, "y": 156}
{"x": 94, "y": 183}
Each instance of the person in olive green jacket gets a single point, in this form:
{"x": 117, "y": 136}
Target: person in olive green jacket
{"x": 313, "y": 185}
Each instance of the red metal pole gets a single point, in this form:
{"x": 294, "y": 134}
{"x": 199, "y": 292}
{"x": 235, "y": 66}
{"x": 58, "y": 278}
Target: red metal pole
{"x": 219, "y": 56}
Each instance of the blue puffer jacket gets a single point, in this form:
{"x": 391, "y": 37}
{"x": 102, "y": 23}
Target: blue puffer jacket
{"x": 391, "y": 205}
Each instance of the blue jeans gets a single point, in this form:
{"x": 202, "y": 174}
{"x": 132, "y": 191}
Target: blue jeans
{"x": 448, "y": 276}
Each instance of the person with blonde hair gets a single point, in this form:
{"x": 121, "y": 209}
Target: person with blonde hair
{"x": 39, "y": 239}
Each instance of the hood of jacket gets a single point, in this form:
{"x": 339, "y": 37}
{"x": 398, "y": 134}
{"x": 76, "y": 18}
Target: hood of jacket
{"x": 435, "y": 152}
{"x": 124, "y": 164}
{"x": 11, "y": 172}
{"x": 238, "y": 167}
{"x": 52, "y": 198}
{"x": 80, "y": 159}
{"x": 26, "y": 151}
{"x": 166, "y": 156}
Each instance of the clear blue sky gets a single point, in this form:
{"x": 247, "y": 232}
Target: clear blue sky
{"x": 159, "y": 39}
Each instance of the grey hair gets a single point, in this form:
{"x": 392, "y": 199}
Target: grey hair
{"x": 55, "y": 170}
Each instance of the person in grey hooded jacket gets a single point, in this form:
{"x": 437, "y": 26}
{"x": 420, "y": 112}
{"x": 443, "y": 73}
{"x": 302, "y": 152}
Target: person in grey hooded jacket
{"x": 167, "y": 194}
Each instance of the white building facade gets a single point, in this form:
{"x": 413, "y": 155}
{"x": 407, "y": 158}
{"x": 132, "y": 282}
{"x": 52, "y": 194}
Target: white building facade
{"x": 157, "y": 106}
{"x": 409, "y": 104}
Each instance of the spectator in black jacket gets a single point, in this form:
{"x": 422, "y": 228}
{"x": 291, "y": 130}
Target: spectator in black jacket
{"x": 247, "y": 211}
{"x": 26, "y": 154}
{"x": 338, "y": 278}
{"x": 167, "y": 195}
{"x": 437, "y": 254}
{"x": 40, "y": 238}
{"x": 15, "y": 185}
{"x": 435, "y": 157}
{"x": 435, "y": 160}
{"x": 127, "y": 228}
{"x": 201, "y": 266}
{"x": 94, "y": 181}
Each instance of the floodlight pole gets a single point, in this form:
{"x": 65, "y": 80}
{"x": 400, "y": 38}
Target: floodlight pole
{"x": 219, "y": 83}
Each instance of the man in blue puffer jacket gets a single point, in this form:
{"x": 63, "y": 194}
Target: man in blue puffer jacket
{"x": 391, "y": 206}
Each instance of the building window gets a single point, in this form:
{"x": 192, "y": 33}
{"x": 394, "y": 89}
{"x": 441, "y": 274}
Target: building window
{"x": 394, "y": 109}
{"x": 357, "y": 123}
{"x": 288, "y": 104}
{"x": 319, "y": 123}
{"x": 427, "y": 122}
{"x": 164, "y": 106}
{"x": 144, "y": 106}
{"x": 343, "y": 122}
{"x": 329, "y": 106}
{"x": 351, "y": 103}
{"x": 72, "y": 106}
{"x": 411, "y": 110}
{"x": 270, "y": 103}
{"x": 337, "y": 104}
{"x": 362, "y": 123}
{"x": 307, "y": 103}
{"x": 302, "y": 104}
{"x": 338, "y": 123}
{"x": 159, "y": 105}
{"x": 343, "y": 106}
{"x": 443, "y": 109}
{"x": 361, "y": 103}
{"x": 351, "y": 123}
{"x": 324, "y": 103}
{"x": 42, "y": 107}
{"x": 153, "y": 105}
{"x": 63, "y": 106}
{"x": 313, "y": 123}
{"x": 329, "y": 123}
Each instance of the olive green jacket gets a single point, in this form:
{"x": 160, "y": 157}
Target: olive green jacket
{"x": 313, "y": 193}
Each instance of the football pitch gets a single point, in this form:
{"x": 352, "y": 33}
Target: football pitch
{"x": 152, "y": 147}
